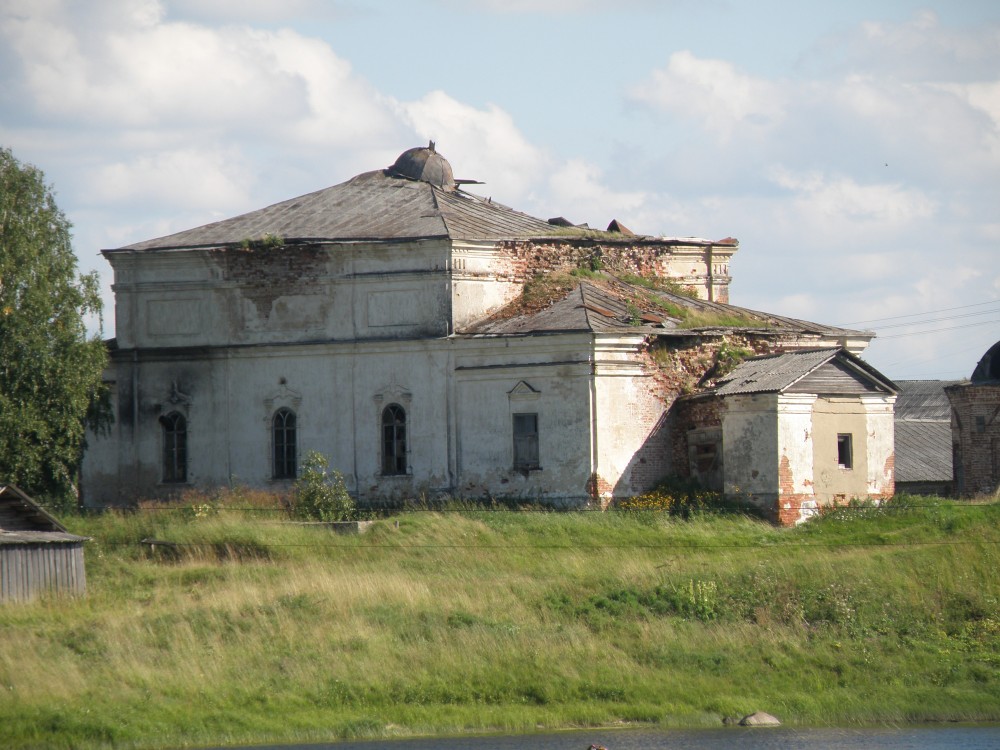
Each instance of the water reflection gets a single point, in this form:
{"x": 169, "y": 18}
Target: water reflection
{"x": 931, "y": 738}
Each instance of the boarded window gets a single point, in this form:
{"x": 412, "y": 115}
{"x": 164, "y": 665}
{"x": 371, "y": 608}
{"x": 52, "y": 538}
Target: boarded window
{"x": 174, "y": 447}
{"x": 393, "y": 439}
{"x": 283, "y": 437}
{"x": 845, "y": 451}
{"x": 525, "y": 441}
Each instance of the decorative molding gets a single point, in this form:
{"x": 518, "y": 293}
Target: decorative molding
{"x": 282, "y": 397}
{"x": 523, "y": 391}
{"x": 176, "y": 401}
{"x": 393, "y": 393}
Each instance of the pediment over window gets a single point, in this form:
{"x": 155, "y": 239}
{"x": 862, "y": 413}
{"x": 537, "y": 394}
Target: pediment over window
{"x": 523, "y": 391}
{"x": 175, "y": 400}
{"x": 393, "y": 393}
{"x": 283, "y": 397}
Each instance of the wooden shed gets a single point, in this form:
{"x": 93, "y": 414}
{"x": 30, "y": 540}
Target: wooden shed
{"x": 37, "y": 554}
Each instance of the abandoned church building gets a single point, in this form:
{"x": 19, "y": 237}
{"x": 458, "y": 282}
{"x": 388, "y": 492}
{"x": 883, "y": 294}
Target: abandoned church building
{"x": 429, "y": 341}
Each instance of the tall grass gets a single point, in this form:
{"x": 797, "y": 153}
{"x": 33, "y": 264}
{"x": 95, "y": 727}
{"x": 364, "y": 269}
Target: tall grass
{"x": 248, "y": 630}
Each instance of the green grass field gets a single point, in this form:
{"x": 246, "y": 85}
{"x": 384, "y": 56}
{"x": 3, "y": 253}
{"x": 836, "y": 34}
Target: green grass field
{"x": 464, "y": 621}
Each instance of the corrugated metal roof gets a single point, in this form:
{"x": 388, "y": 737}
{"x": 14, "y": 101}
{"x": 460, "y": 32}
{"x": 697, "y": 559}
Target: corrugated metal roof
{"x": 923, "y": 399}
{"x": 923, "y": 451}
{"x": 774, "y": 372}
{"x": 371, "y": 206}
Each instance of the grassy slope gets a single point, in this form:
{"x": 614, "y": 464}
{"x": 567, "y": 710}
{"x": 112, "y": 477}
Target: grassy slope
{"x": 465, "y": 622}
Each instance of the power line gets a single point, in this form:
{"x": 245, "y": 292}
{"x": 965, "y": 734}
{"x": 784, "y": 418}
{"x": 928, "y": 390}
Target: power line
{"x": 939, "y": 330}
{"x": 939, "y": 320}
{"x": 770, "y": 545}
{"x": 925, "y": 312}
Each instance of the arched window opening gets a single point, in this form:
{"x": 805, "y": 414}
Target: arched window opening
{"x": 174, "y": 447}
{"x": 393, "y": 439}
{"x": 284, "y": 460}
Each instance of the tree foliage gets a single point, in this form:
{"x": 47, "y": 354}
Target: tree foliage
{"x": 50, "y": 370}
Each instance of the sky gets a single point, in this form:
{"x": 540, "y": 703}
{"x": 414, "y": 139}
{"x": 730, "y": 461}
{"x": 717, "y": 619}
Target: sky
{"x": 853, "y": 148}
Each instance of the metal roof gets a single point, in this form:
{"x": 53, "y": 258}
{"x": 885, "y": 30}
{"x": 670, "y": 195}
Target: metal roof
{"x": 988, "y": 368}
{"x": 603, "y": 305}
{"x": 774, "y": 373}
{"x": 588, "y": 307}
{"x": 923, "y": 451}
{"x": 923, "y": 399}
{"x": 372, "y": 206}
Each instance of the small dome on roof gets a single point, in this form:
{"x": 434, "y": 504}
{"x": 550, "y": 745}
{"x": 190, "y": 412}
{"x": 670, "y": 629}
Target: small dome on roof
{"x": 988, "y": 368}
{"x": 426, "y": 164}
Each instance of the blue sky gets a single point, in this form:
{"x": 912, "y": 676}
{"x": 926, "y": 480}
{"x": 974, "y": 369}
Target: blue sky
{"x": 853, "y": 148}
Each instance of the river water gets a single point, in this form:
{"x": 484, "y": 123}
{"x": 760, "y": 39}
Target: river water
{"x": 759, "y": 738}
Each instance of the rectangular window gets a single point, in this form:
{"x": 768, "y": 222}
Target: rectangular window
{"x": 845, "y": 451}
{"x": 525, "y": 441}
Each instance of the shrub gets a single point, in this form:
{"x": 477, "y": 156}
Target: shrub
{"x": 321, "y": 495}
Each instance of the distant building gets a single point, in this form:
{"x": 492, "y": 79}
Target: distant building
{"x": 37, "y": 555}
{"x": 381, "y": 322}
{"x": 923, "y": 438}
{"x": 975, "y": 428}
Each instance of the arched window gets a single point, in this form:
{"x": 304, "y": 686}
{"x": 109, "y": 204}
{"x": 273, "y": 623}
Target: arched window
{"x": 174, "y": 447}
{"x": 283, "y": 438}
{"x": 393, "y": 439}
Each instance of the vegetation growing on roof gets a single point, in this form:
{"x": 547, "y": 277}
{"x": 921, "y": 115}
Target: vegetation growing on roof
{"x": 268, "y": 241}
{"x": 712, "y": 319}
{"x": 728, "y": 356}
{"x": 686, "y": 367}
{"x": 639, "y": 294}
{"x": 659, "y": 284}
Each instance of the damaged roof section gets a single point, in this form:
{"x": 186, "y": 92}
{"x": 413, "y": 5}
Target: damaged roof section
{"x": 602, "y": 302}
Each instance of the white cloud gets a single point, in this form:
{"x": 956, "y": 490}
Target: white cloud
{"x": 837, "y": 199}
{"x": 187, "y": 178}
{"x": 482, "y": 144}
{"x": 546, "y": 7}
{"x": 577, "y": 187}
{"x": 714, "y": 92}
{"x": 920, "y": 49}
{"x": 142, "y": 71}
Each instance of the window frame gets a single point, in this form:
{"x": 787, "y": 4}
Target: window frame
{"x": 845, "y": 450}
{"x": 393, "y": 441}
{"x": 174, "y": 459}
{"x": 525, "y": 442}
{"x": 284, "y": 444}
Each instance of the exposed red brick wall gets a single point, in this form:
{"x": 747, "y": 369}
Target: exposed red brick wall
{"x": 977, "y": 456}
{"x": 265, "y": 274}
{"x": 520, "y": 260}
{"x": 599, "y": 491}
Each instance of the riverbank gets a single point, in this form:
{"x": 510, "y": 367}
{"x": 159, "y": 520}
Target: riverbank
{"x": 243, "y": 631}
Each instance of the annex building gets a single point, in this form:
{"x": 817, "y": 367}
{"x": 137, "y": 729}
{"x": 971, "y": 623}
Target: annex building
{"x": 429, "y": 341}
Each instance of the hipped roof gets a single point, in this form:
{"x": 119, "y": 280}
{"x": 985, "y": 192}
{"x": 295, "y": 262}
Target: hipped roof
{"x": 372, "y": 206}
